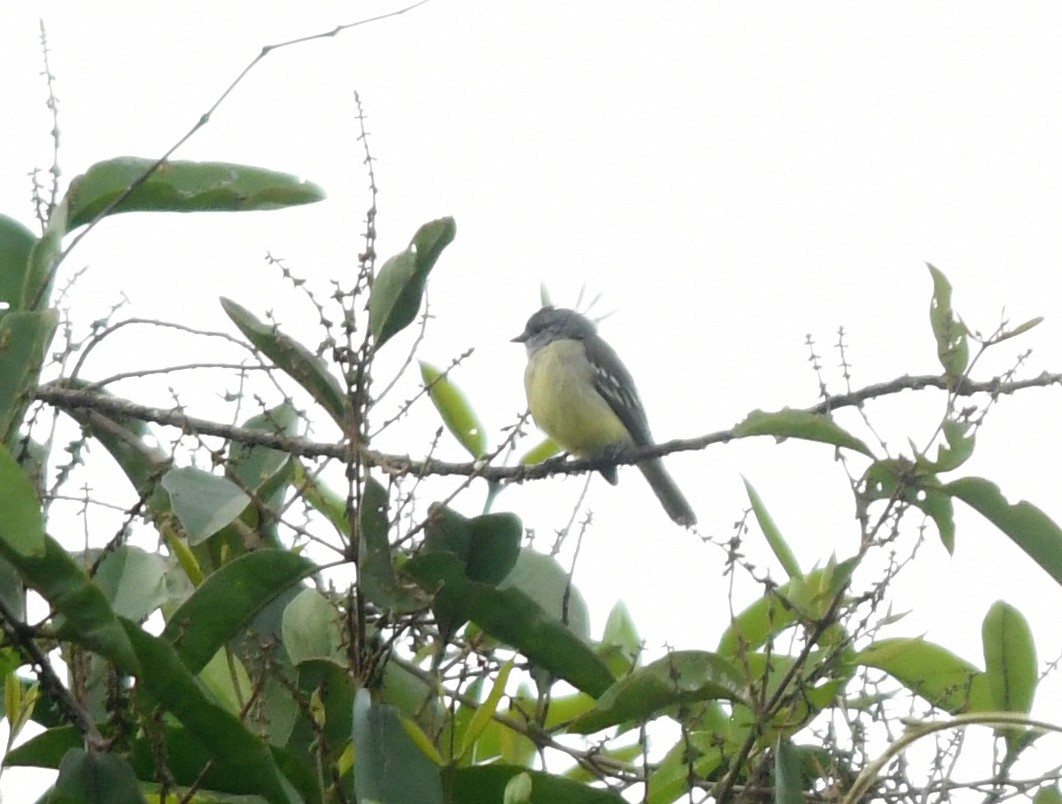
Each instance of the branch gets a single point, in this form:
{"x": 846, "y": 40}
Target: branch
{"x": 398, "y": 465}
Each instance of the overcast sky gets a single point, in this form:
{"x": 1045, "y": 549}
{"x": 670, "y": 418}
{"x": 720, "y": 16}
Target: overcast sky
{"x": 729, "y": 177}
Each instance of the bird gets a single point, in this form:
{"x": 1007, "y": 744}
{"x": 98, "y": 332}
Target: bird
{"x": 583, "y": 397}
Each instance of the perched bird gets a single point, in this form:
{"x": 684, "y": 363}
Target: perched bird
{"x": 583, "y": 397}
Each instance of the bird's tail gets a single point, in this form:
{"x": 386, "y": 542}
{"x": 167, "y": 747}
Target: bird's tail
{"x": 668, "y": 493}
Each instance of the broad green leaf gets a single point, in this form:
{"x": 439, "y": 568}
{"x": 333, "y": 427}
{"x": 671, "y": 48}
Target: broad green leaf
{"x": 788, "y": 423}
{"x": 486, "y": 784}
{"x": 133, "y": 580}
{"x": 21, "y": 521}
{"x": 774, "y": 537}
{"x": 1026, "y": 525}
{"x": 24, "y": 340}
{"x": 183, "y": 187}
{"x": 545, "y": 581}
{"x": 388, "y": 764}
{"x": 310, "y": 629}
{"x": 16, "y": 241}
{"x": 399, "y": 286}
{"x": 511, "y": 616}
{"x": 204, "y": 503}
{"x": 494, "y": 546}
{"x": 228, "y": 600}
{"x": 169, "y": 683}
{"x": 87, "y": 617}
{"x": 294, "y": 359}
{"x": 953, "y": 351}
{"x": 1010, "y": 659}
{"x": 321, "y": 498}
{"x": 1048, "y": 795}
{"x": 45, "y": 750}
{"x": 376, "y": 573}
{"x": 957, "y": 450}
{"x": 681, "y": 677}
{"x": 788, "y": 774}
{"x": 95, "y": 777}
{"x": 456, "y": 412}
{"x": 938, "y": 675}
{"x": 255, "y": 465}
{"x": 518, "y": 789}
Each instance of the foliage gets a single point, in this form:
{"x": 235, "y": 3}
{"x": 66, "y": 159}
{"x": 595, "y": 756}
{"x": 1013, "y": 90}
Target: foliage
{"x": 454, "y": 663}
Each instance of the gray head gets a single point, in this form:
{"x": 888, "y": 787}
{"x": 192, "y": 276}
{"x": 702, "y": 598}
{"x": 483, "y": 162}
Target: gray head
{"x": 554, "y": 323}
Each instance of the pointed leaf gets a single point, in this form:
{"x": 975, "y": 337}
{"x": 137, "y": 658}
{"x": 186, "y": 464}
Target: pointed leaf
{"x": 486, "y": 784}
{"x": 134, "y": 581}
{"x": 183, "y": 187}
{"x": 1026, "y": 525}
{"x": 544, "y": 451}
{"x": 953, "y": 351}
{"x": 228, "y": 600}
{"x": 456, "y": 412}
{"x": 494, "y": 546}
{"x": 204, "y": 503}
{"x": 774, "y": 536}
{"x": 399, "y": 287}
{"x": 168, "y": 681}
{"x": 514, "y": 618}
{"x": 294, "y": 359}
{"x": 938, "y": 675}
{"x": 310, "y": 629}
{"x": 788, "y": 774}
{"x": 388, "y": 765}
{"x": 681, "y": 677}
{"x": 788, "y": 423}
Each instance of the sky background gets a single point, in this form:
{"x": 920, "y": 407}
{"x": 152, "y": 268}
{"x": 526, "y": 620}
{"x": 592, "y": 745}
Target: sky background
{"x": 729, "y": 177}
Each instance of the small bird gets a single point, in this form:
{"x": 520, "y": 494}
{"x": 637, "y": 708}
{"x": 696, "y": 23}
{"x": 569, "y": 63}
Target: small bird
{"x": 583, "y": 397}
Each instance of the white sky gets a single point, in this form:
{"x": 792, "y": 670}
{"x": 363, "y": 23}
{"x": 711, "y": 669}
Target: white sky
{"x": 729, "y": 176}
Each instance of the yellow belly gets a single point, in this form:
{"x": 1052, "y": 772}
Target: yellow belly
{"x": 564, "y": 403}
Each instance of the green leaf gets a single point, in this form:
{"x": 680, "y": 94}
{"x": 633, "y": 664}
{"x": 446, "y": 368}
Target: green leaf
{"x": 39, "y": 274}
{"x": 45, "y": 750}
{"x": 183, "y": 187}
{"x": 294, "y": 359}
{"x": 788, "y": 773}
{"x": 204, "y": 503}
{"x": 1026, "y": 525}
{"x": 774, "y": 536}
{"x": 681, "y": 677}
{"x": 494, "y": 546}
{"x": 1010, "y": 659}
{"x": 544, "y": 451}
{"x": 388, "y": 765}
{"x": 546, "y": 582}
{"x": 455, "y": 410}
{"x": 376, "y": 572}
{"x": 87, "y": 617}
{"x": 939, "y": 676}
{"x": 953, "y": 351}
{"x": 788, "y": 423}
{"x": 514, "y": 618}
{"x": 24, "y": 340}
{"x": 486, "y": 784}
{"x": 399, "y": 287}
{"x": 1048, "y": 795}
{"x": 21, "y": 521}
{"x": 168, "y": 681}
{"x": 134, "y": 581}
{"x": 92, "y": 777}
{"x": 255, "y": 466}
{"x": 16, "y": 242}
{"x": 960, "y": 446}
{"x": 620, "y": 644}
{"x": 903, "y": 480}
{"x": 228, "y": 600}
{"x": 310, "y": 629}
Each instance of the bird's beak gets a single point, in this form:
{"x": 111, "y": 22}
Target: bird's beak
{"x": 522, "y": 337}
